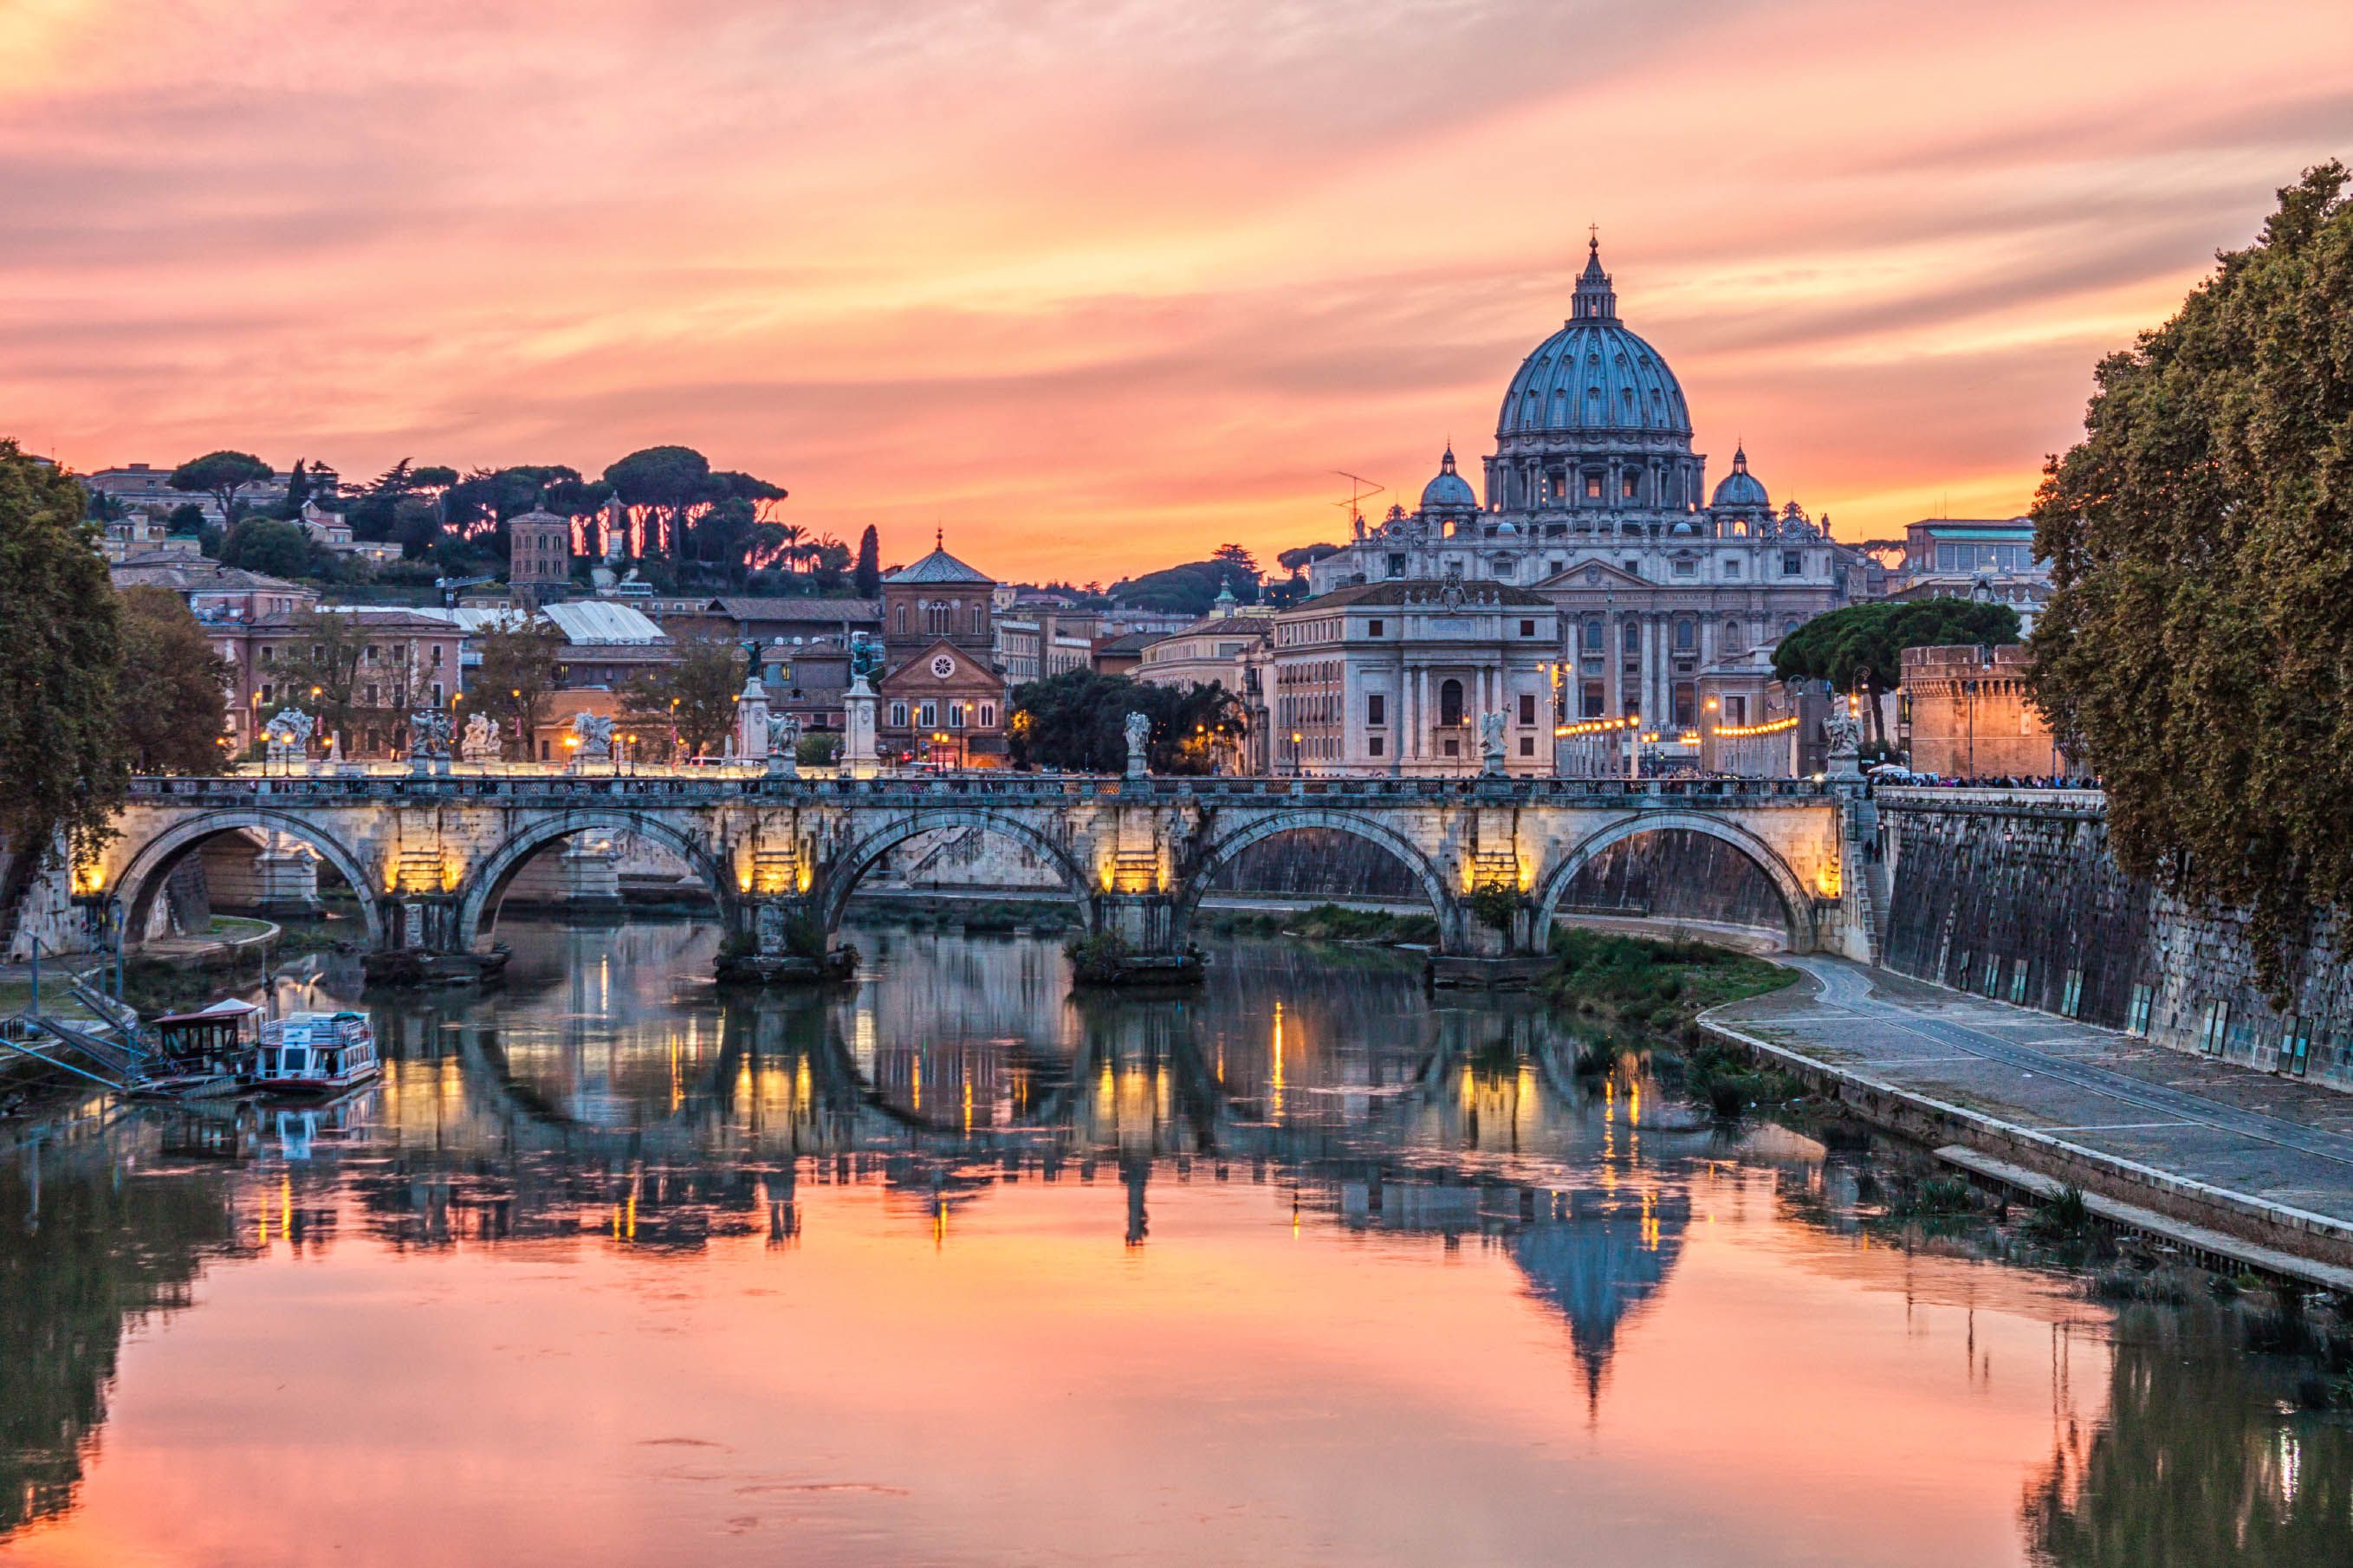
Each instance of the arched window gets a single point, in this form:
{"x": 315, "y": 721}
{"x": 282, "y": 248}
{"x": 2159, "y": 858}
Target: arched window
{"x": 1632, "y": 638}
{"x": 1449, "y": 702}
{"x": 899, "y": 616}
{"x": 978, "y": 623}
{"x": 1593, "y": 635}
{"x": 1734, "y": 638}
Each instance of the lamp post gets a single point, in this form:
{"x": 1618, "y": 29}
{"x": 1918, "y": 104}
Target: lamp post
{"x": 1296, "y": 770}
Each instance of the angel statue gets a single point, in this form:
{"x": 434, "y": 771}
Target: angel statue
{"x": 482, "y": 742}
{"x": 1490, "y": 742}
{"x": 594, "y": 734}
{"x": 784, "y": 743}
{"x": 1139, "y": 736}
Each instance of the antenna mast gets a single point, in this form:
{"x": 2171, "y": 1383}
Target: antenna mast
{"x": 1360, "y": 490}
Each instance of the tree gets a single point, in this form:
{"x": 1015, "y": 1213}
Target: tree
{"x": 1297, "y": 561}
{"x": 2201, "y": 540}
{"x": 1235, "y": 554}
{"x": 1077, "y": 720}
{"x": 271, "y": 545}
{"x": 665, "y": 483}
{"x": 186, "y": 518}
{"x": 60, "y": 746}
{"x": 696, "y": 693}
{"x": 321, "y": 672}
{"x": 222, "y": 475}
{"x": 172, "y": 708}
{"x": 297, "y": 490}
{"x": 867, "y": 576}
{"x": 1860, "y": 648}
{"x": 1189, "y": 589}
{"x": 518, "y": 674}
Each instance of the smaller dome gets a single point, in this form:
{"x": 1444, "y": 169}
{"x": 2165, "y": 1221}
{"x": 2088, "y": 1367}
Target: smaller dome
{"x": 1682, "y": 527}
{"x": 1740, "y": 488}
{"x": 1449, "y": 491}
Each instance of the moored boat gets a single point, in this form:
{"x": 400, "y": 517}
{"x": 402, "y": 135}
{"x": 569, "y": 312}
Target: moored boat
{"x": 315, "y": 1053}
{"x": 198, "y": 1055}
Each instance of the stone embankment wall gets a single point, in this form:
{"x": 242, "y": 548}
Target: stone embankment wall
{"x": 2012, "y": 894}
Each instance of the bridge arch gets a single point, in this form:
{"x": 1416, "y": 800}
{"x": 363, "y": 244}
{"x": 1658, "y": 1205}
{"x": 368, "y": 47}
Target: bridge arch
{"x": 143, "y": 874}
{"x": 1796, "y": 904}
{"x": 486, "y": 883}
{"x": 1219, "y": 852}
{"x": 845, "y": 871}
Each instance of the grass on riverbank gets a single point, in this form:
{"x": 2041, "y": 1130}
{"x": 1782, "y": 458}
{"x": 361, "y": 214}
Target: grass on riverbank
{"x": 1662, "y": 985}
{"x": 1324, "y": 922}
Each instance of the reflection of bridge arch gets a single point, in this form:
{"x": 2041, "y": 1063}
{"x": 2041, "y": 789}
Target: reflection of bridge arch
{"x": 1222, "y": 852}
{"x": 487, "y": 885}
{"x": 1797, "y": 905}
{"x": 145, "y": 874}
{"x": 849, "y": 869}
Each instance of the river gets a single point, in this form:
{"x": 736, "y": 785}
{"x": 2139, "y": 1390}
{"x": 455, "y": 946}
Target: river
{"x": 950, "y": 1269}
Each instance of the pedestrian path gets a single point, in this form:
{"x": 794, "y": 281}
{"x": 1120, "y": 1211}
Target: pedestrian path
{"x": 2247, "y": 1143}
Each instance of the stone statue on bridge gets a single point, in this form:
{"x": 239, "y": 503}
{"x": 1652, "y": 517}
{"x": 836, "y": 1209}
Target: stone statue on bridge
{"x": 1491, "y": 744}
{"x": 594, "y": 734}
{"x": 288, "y": 735}
{"x": 428, "y": 736}
{"x": 482, "y": 742}
{"x": 783, "y": 744}
{"x": 1845, "y": 738}
{"x": 1139, "y": 739}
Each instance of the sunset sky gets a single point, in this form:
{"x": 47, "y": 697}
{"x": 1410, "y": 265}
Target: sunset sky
{"x": 1097, "y": 287}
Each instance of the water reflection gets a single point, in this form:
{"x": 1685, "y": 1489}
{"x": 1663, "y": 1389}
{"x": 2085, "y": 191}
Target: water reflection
{"x": 1391, "y": 1231}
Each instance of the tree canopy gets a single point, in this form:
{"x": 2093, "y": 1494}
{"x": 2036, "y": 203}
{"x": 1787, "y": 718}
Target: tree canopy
{"x": 520, "y": 667}
{"x": 2198, "y": 649}
{"x": 173, "y": 707}
{"x": 60, "y": 745}
{"x": 1189, "y": 589}
{"x": 866, "y": 578}
{"x": 696, "y": 693}
{"x": 1077, "y": 720}
{"x": 1860, "y": 648}
{"x": 222, "y": 475}
{"x": 274, "y": 546}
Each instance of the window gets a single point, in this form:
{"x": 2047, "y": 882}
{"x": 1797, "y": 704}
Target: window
{"x": 1632, "y": 637}
{"x": 2295, "y": 1047}
{"x": 1373, "y": 628}
{"x": 1736, "y": 712}
{"x": 437, "y": 698}
{"x": 1732, "y": 567}
{"x": 928, "y": 715}
{"x": 1633, "y": 485}
{"x": 1452, "y": 747}
{"x": 1397, "y": 563}
{"x": 1527, "y": 746}
{"x": 1377, "y": 709}
{"x": 955, "y": 715}
{"x": 1449, "y": 704}
{"x": 1527, "y": 628}
{"x": 2071, "y": 1000}
{"x": 2136, "y": 1018}
{"x": 1373, "y": 746}
{"x": 1793, "y": 564}
{"x": 899, "y": 618}
{"x": 899, "y": 709}
{"x": 1592, "y": 635}
{"x": 1686, "y": 568}
{"x": 988, "y": 715}
{"x": 1593, "y": 487}
{"x": 1589, "y": 701}
{"x": 1686, "y": 636}
{"x": 1527, "y": 707}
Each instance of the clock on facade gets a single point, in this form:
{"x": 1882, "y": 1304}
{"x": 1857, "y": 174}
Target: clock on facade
{"x": 942, "y": 666}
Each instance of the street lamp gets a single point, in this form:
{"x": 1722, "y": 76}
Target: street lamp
{"x": 1295, "y": 769}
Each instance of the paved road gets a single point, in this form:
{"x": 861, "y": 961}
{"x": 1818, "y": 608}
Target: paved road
{"x": 2276, "y": 1139}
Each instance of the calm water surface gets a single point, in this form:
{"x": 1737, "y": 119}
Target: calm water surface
{"x": 1305, "y": 1269}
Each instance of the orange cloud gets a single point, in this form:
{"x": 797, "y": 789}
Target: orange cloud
{"x": 1098, "y": 287}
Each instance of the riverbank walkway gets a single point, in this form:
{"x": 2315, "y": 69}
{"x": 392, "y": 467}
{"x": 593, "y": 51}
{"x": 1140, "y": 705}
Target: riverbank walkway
{"x": 2259, "y": 1156}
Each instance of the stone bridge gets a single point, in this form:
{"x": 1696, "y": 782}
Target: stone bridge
{"x": 430, "y": 857}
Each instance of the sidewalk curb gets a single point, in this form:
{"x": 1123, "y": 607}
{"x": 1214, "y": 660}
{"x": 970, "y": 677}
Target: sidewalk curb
{"x": 1932, "y": 1123}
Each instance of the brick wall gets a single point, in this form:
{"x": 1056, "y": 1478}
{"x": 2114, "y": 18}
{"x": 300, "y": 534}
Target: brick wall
{"x": 1971, "y": 717}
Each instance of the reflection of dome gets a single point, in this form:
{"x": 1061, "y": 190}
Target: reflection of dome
{"x": 1740, "y": 488}
{"x": 1449, "y": 491}
{"x": 1593, "y": 373}
{"x": 1600, "y": 1265}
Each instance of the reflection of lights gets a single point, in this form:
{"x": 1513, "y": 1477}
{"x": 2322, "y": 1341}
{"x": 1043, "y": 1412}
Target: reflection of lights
{"x": 1276, "y": 1107}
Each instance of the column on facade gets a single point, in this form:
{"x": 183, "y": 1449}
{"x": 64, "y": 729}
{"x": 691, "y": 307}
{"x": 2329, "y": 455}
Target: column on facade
{"x": 1643, "y": 702}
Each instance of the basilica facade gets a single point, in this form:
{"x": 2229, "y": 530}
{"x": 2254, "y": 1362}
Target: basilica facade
{"x": 1667, "y": 595}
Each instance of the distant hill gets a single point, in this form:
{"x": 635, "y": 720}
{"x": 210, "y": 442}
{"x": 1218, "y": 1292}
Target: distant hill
{"x": 1188, "y": 589}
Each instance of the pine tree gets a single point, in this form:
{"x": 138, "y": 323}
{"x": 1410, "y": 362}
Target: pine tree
{"x": 867, "y": 576}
